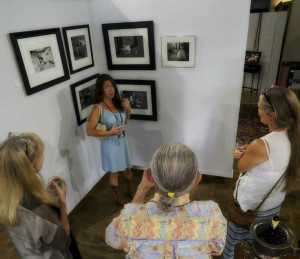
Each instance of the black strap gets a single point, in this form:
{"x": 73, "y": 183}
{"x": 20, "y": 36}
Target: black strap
{"x": 114, "y": 114}
{"x": 237, "y": 188}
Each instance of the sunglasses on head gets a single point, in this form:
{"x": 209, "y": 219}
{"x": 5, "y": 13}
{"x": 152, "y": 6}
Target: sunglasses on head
{"x": 23, "y": 140}
{"x": 264, "y": 92}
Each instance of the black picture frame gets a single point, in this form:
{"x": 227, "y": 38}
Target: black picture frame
{"x": 78, "y": 47}
{"x": 82, "y": 95}
{"x": 142, "y": 97}
{"x": 41, "y": 58}
{"x": 129, "y": 45}
{"x": 252, "y": 57}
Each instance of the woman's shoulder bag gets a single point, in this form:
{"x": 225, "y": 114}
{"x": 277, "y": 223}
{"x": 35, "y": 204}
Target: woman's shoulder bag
{"x": 245, "y": 219}
{"x": 99, "y": 126}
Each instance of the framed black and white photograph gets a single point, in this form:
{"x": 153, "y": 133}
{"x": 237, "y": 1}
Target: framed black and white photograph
{"x": 82, "y": 94}
{"x": 41, "y": 58}
{"x": 142, "y": 97}
{"x": 178, "y": 51}
{"x": 129, "y": 46}
{"x": 79, "y": 47}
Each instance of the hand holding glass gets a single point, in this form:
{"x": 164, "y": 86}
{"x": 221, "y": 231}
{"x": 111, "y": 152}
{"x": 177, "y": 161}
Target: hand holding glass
{"x": 57, "y": 180}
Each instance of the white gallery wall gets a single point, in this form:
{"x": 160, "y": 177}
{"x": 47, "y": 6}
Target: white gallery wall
{"x": 49, "y": 113}
{"x": 291, "y": 50}
{"x": 271, "y": 35}
{"x": 197, "y": 106}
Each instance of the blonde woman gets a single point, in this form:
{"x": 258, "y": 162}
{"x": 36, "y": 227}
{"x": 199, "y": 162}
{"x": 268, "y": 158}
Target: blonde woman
{"x": 29, "y": 212}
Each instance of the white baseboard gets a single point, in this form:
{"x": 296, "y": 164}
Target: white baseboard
{"x": 138, "y": 167}
{"x": 217, "y": 173}
{"x": 205, "y": 172}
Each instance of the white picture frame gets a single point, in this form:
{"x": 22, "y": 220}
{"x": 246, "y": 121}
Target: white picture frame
{"x": 178, "y": 51}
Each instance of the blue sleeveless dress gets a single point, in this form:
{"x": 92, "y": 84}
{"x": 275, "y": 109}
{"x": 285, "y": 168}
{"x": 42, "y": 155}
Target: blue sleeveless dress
{"x": 114, "y": 150}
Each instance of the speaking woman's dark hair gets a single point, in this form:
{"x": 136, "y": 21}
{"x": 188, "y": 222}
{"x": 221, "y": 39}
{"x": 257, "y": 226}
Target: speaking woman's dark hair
{"x": 99, "y": 93}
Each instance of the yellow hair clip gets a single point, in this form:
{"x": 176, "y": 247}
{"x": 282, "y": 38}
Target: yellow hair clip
{"x": 275, "y": 222}
{"x": 171, "y": 194}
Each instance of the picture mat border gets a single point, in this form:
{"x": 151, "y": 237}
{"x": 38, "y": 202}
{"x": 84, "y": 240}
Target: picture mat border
{"x": 124, "y": 33}
{"x": 144, "y": 88}
{"x": 26, "y": 46}
{"x": 164, "y": 51}
{"x": 27, "y": 35}
{"x": 125, "y": 26}
{"x": 145, "y": 83}
{"x": 81, "y": 115}
{"x": 76, "y": 66}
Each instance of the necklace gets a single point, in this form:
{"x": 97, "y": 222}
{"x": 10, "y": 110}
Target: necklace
{"x": 274, "y": 129}
{"x": 108, "y": 106}
{"x": 115, "y": 114}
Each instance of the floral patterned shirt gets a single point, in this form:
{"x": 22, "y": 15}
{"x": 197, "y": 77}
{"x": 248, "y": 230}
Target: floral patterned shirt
{"x": 193, "y": 229}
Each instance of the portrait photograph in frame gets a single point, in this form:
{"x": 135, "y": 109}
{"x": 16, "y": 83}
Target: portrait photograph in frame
{"x": 79, "y": 47}
{"x": 41, "y": 58}
{"x": 142, "y": 97}
{"x": 129, "y": 46}
{"x": 82, "y": 95}
{"x": 178, "y": 51}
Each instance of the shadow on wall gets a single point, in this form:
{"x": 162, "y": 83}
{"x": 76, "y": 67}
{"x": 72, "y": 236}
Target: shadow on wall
{"x": 69, "y": 143}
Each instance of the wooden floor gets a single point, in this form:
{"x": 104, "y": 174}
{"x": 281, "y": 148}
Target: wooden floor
{"x": 247, "y": 97}
{"x": 93, "y": 214}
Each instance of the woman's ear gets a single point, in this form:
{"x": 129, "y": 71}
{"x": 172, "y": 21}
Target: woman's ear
{"x": 198, "y": 179}
{"x": 272, "y": 115}
{"x": 148, "y": 175}
{"x": 34, "y": 167}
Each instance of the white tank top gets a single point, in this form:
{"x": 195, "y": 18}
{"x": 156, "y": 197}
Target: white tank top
{"x": 256, "y": 183}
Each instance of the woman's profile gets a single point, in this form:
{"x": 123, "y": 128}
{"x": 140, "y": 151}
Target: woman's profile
{"x": 34, "y": 217}
{"x": 274, "y": 158}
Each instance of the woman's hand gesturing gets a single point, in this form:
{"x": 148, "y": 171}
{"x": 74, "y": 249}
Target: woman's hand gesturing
{"x": 126, "y": 104}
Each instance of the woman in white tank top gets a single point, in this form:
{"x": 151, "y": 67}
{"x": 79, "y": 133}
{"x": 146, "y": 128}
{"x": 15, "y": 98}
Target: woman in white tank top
{"x": 266, "y": 159}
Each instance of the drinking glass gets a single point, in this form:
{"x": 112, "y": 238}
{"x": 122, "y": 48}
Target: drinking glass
{"x": 57, "y": 180}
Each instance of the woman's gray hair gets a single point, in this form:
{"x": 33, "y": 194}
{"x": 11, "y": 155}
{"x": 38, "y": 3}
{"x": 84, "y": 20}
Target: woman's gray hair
{"x": 174, "y": 168}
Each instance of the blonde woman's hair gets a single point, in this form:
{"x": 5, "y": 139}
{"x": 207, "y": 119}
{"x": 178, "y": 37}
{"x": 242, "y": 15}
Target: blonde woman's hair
{"x": 174, "y": 168}
{"x": 18, "y": 179}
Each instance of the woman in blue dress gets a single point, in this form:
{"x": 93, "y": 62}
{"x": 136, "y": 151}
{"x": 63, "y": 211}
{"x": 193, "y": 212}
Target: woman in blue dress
{"x": 114, "y": 113}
